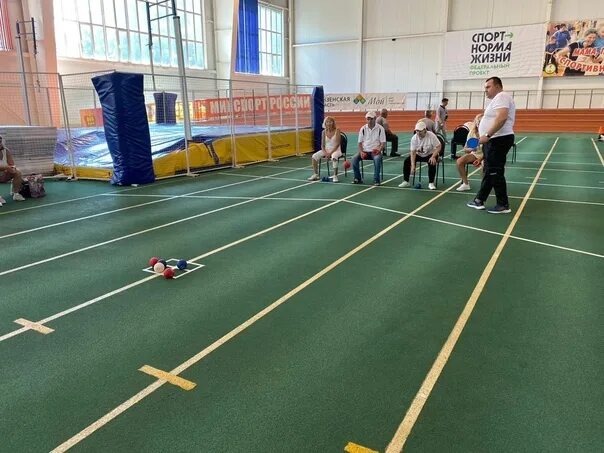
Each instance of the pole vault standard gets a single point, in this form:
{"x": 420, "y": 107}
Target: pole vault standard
{"x": 171, "y": 4}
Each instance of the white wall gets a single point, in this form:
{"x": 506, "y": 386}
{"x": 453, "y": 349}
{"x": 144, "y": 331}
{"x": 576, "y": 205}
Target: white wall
{"x": 327, "y": 39}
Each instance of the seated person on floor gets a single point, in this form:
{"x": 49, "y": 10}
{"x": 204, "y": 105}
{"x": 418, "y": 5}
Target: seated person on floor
{"x": 330, "y": 149}
{"x": 372, "y": 140}
{"x": 8, "y": 172}
{"x": 424, "y": 147}
{"x": 472, "y": 156}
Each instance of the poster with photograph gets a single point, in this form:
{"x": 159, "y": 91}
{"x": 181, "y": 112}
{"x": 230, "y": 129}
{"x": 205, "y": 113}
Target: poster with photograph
{"x": 574, "y": 48}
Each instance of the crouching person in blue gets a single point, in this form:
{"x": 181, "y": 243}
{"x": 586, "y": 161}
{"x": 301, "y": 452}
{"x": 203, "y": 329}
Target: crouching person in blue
{"x": 372, "y": 139}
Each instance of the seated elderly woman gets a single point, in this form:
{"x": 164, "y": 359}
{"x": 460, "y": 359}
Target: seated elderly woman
{"x": 330, "y": 149}
{"x": 424, "y": 147}
{"x": 8, "y": 172}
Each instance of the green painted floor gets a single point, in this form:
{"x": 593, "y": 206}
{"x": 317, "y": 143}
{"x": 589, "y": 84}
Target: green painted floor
{"x": 318, "y": 313}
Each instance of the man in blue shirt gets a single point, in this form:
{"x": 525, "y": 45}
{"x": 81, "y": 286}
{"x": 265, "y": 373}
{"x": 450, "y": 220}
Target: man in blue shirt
{"x": 562, "y": 36}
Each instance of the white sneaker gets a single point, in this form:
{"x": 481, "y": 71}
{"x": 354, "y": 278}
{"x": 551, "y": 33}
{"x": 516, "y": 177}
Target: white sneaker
{"x": 431, "y": 186}
{"x": 334, "y": 178}
{"x": 314, "y": 177}
{"x": 18, "y": 197}
{"x": 404, "y": 184}
{"x": 2, "y": 201}
{"x": 463, "y": 188}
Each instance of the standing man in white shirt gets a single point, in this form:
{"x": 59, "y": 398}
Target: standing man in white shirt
{"x": 496, "y": 131}
{"x": 424, "y": 147}
{"x": 372, "y": 139}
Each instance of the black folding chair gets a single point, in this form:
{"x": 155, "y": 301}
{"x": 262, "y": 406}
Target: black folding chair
{"x": 460, "y": 135}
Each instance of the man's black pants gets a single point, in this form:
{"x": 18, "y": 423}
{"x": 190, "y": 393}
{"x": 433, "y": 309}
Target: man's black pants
{"x": 393, "y": 138}
{"x": 495, "y": 153}
{"x": 418, "y": 162}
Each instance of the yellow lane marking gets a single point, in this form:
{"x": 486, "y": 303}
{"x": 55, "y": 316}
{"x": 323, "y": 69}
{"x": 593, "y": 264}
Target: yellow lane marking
{"x": 34, "y": 326}
{"x": 168, "y": 377}
{"x": 354, "y": 448}
{"x": 79, "y": 437}
{"x": 404, "y": 430}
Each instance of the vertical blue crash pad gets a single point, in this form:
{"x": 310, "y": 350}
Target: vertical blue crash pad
{"x": 126, "y": 127}
{"x": 318, "y": 113}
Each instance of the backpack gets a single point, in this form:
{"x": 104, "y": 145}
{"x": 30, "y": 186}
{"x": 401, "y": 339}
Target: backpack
{"x": 35, "y": 185}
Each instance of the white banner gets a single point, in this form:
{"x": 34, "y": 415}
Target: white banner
{"x": 357, "y": 102}
{"x": 502, "y": 52}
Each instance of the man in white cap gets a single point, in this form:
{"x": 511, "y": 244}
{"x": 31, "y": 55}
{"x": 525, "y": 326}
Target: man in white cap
{"x": 424, "y": 147}
{"x": 372, "y": 139}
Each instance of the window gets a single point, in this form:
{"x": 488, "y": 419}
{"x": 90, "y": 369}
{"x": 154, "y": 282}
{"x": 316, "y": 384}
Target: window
{"x": 116, "y": 30}
{"x": 270, "y": 33}
{"x": 6, "y": 39}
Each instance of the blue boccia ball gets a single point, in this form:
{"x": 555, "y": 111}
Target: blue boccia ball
{"x": 181, "y": 264}
{"x": 325, "y": 179}
{"x": 163, "y": 262}
{"x": 418, "y": 186}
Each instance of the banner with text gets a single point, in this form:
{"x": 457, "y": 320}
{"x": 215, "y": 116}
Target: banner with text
{"x": 502, "y": 52}
{"x": 356, "y": 102}
{"x": 574, "y": 48}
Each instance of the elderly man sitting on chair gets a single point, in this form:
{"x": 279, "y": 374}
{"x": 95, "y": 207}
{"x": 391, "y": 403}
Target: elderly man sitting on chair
{"x": 372, "y": 139}
{"x": 424, "y": 147}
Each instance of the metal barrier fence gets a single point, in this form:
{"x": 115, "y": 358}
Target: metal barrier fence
{"x": 68, "y": 104}
{"x": 524, "y": 99}
{"x": 57, "y": 105}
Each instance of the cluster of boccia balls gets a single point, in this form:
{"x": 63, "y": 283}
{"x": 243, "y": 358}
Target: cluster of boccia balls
{"x": 161, "y": 267}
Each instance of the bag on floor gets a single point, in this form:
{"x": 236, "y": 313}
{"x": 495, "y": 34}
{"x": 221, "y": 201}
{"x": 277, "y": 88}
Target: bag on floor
{"x": 24, "y": 192}
{"x": 36, "y": 186}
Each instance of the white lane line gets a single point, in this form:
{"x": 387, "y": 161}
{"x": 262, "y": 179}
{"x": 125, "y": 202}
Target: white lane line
{"x": 204, "y": 255}
{"x": 598, "y": 151}
{"x": 544, "y": 184}
{"x": 137, "y": 233}
{"x": 382, "y": 187}
{"x": 593, "y": 203}
{"x": 113, "y": 211}
{"x": 553, "y": 200}
{"x": 560, "y": 162}
{"x": 481, "y": 230}
{"x": 146, "y": 279}
{"x": 227, "y": 337}
{"x": 45, "y": 205}
{"x": 404, "y": 430}
{"x": 559, "y": 169}
{"x": 79, "y": 307}
{"x": 225, "y": 197}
